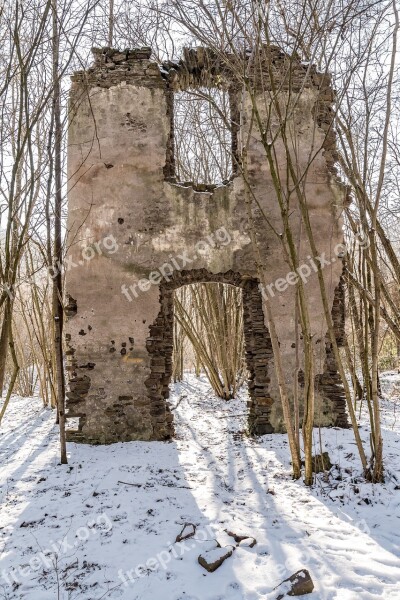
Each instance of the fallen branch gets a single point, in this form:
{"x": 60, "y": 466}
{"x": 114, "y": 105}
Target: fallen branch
{"x": 178, "y": 403}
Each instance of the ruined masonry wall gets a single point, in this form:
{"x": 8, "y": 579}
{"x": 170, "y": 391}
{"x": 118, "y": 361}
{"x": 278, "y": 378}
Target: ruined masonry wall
{"x": 128, "y": 213}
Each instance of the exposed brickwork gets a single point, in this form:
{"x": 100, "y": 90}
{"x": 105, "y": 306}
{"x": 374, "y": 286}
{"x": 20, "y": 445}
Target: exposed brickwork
{"x": 329, "y": 383}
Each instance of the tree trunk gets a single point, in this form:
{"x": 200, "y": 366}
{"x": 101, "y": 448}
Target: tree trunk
{"x": 57, "y": 254}
{"x": 4, "y": 345}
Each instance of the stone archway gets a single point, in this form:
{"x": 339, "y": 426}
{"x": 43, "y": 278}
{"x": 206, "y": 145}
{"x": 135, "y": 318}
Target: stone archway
{"x": 258, "y": 349}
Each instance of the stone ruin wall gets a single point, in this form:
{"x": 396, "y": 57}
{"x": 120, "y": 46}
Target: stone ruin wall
{"x": 122, "y": 188}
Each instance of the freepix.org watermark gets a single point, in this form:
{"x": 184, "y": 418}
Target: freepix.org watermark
{"x": 107, "y": 246}
{"x": 220, "y": 237}
{"x": 104, "y": 247}
{"x": 307, "y": 268}
{"x": 164, "y": 557}
{"x": 47, "y": 557}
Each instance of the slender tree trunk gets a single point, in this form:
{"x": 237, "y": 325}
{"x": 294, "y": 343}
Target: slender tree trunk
{"x": 4, "y": 345}
{"x": 57, "y": 254}
{"x": 377, "y": 473}
{"x": 111, "y": 23}
{"x": 15, "y": 372}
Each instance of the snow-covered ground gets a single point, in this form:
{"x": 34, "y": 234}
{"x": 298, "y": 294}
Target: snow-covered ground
{"x": 105, "y": 525}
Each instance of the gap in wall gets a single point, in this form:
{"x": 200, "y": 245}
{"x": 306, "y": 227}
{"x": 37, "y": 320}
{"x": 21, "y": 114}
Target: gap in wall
{"x": 202, "y": 136}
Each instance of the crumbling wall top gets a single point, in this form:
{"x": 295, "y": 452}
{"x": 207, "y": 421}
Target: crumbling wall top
{"x": 112, "y": 66}
{"x": 205, "y": 67}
